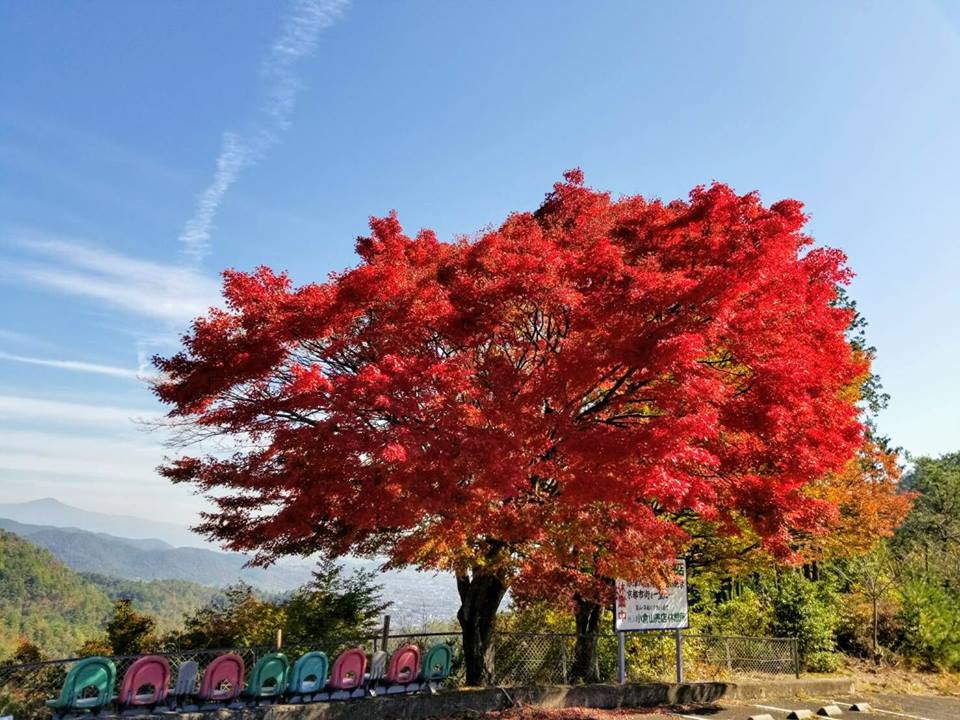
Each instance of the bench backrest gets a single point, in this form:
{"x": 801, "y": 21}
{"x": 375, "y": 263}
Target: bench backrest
{"x": 151, "y": 671}
{"x": 348, "y": 669}
{"x": 225, "y": 670}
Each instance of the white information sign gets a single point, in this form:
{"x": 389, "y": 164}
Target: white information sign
{"x": 641, "y": 607}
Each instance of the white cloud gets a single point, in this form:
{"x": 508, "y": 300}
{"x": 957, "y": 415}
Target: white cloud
{"x": 23, "y": 408}
{"x": 298, "y": 39}
{"x": 76, "y": 365}
{"x": 78, "y": 451}
{"x": 167, "y": 292}
{"x": 96, "y": 457}
{"x": 88, "y": 454}
{"x": 95, "y": 442}
{"x": 17, "y": 338}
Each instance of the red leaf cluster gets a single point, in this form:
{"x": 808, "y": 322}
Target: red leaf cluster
{"x": 559, "y": 390}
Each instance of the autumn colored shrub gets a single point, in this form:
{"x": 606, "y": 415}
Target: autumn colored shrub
{"x": 23, "y": 691}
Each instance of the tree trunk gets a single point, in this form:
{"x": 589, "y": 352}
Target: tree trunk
{"x": 480, "y": 596}
{"x": 876, "y": 633}
{"x": 587, "y": 614}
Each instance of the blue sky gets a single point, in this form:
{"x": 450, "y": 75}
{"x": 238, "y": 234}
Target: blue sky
{"x": 115, "y": 219}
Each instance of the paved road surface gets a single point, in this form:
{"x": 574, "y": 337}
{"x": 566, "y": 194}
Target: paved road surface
{"x": 884, "y": 707}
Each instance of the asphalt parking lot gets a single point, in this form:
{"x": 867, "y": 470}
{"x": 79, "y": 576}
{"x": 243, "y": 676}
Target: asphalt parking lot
{"x": 883, "y": 707}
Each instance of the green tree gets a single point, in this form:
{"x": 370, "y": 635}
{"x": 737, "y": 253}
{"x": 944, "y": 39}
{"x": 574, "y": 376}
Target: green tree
{"x": 332, "y": 606}
{"x": 808, "y": 611}
{"x": 874, "y": 577}
{"x": 935, "y": 519}
{"x": 240, "y": 618}
{"x": 166, "y": 601}
{"x": 873, "y": 398}
{"x": 746, "y": 613}
{"x": 128, "y": 631}
{"x": 928, "y": 551}
{"x": 930, "y": 617}
{"x": 95, "y": 646}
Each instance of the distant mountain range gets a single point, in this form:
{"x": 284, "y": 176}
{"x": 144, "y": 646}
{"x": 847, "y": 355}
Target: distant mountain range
{"x": 92, "y": 542}
{"x": 52, "y": 512}
{"x": 151, "y": 559}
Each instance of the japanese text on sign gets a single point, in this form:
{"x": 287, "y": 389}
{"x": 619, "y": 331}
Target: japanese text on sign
{"x": 641, "y": 607}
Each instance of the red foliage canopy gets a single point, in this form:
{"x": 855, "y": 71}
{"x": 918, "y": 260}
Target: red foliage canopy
{"x": 573, "y": 383}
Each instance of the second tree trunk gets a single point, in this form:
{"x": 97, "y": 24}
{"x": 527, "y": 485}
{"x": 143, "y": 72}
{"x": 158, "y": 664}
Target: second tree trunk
{"x": 587, "y": 614}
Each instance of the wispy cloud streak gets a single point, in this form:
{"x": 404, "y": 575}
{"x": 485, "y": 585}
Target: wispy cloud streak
{"x": 22, "y": 409}
{"x": 75, "y": 365}
{"x": 172, "y": 293}
{"x": 196, "y": 233}
{"x": 298, "y": 39}
{"x": 21, "y": 339}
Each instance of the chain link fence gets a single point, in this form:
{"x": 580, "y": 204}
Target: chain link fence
{"x": 518, "y": 659}
{"x": 535, "y": 658}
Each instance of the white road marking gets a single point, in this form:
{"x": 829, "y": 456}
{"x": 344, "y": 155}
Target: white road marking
{"x": 887, "y": 712}
{"x": 802, "y": 712}
{"x": 771, "y": 707}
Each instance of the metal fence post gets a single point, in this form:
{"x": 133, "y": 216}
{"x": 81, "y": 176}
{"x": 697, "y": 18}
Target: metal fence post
{"x": 563, "y": 660}
{"x": 386, "y": 631}
{"x": 726, "y": 648}
{"x": 664, "y": 660}
{"x": 795, "y": 647}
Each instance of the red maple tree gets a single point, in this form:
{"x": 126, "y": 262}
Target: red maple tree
{"x": 570, "y": 385}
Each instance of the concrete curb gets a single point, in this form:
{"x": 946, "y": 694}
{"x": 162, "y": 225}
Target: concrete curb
{"x": 803, "y": 687}
{"x": 481, "y": 700}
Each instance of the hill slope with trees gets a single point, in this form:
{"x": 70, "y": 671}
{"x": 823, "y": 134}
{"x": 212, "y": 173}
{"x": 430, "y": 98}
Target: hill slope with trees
{"x": 49, "y": 605}
{"x": 43, "y": 600}
{"x": 132, "y": 559}
{"x": 167, "y": 601}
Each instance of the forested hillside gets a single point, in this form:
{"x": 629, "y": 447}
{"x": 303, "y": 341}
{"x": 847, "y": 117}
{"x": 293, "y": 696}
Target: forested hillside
{"x": 48, "y": 604}
{"x": 165, "y": 581}
{"x": 167, "y": 601}
{"x": 43, "y": 600}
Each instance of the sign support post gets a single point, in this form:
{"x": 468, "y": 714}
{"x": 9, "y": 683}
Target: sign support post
{"x": 679, "y": 656}
{"x": 621, "y": 659}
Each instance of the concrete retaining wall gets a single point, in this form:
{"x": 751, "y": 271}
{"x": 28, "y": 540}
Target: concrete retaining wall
{"x": 421, "y": 706}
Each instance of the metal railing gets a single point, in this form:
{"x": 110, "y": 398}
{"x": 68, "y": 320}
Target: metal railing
{"x": 518, "y": 659}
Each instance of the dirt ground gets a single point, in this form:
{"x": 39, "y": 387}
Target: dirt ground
{"x": 901, "y": 680}
{"x": 535, "y": 713}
